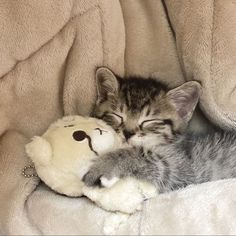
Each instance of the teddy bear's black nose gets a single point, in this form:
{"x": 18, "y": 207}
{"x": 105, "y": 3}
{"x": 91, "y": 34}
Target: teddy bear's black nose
{"x": 79, "y": 135}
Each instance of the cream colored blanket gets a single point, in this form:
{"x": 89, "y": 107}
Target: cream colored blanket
{"x": 49, "y": 52}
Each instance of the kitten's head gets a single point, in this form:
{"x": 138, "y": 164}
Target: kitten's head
{"x": 141, "y": 110}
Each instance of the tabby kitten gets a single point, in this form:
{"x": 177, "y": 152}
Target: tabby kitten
{"x": 141, "y": 110}
{"x": 152, "y": 120}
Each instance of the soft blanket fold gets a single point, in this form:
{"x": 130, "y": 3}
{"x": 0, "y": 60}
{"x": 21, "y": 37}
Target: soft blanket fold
{"x": 49, "y": 52}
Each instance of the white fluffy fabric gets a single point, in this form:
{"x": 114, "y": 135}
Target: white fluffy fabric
{"x": 204, "y": 209}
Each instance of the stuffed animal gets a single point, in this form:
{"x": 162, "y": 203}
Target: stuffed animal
{"x": 64, "y": 153}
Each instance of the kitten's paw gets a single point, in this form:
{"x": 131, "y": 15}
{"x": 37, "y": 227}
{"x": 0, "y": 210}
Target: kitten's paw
{"x": 100, "y": 174}
{"x": 92, "y": 177}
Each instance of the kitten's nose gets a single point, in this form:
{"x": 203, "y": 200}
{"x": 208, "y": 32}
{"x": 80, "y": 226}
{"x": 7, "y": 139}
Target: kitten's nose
{"x": 128, "y": 134}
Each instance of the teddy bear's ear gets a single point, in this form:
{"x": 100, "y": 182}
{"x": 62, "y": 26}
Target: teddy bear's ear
{"x": 39, "y": 150}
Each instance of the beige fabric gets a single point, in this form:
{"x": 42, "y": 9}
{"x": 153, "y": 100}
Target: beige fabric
{"x": 49, "y": 52}
{"x": 205, "y": 36}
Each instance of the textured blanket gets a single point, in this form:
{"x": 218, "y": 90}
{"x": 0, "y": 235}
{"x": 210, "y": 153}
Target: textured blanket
{"x": 49, "y": 52}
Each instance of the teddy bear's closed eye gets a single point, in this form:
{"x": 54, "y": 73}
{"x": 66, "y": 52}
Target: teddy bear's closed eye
{"x": 100, "y": 130}
{"x": 68, "y": 126}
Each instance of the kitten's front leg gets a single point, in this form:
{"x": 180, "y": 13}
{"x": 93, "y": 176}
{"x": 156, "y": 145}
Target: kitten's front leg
{"x": 120, "y": 173}
{"x": 166, "y": 170}
{"x": 115, "y": 165}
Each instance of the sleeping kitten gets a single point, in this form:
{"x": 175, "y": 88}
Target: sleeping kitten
{"x": 152, "y": 121}
{"x": 141, "y": 110}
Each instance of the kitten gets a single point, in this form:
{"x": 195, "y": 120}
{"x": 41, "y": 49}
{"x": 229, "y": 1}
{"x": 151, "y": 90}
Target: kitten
{"x": 153, "y": 120}
{"x": 141, "y": 110}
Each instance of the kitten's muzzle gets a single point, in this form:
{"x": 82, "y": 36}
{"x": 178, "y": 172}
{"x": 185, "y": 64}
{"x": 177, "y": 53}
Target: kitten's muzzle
{"x": 128, "y": 134}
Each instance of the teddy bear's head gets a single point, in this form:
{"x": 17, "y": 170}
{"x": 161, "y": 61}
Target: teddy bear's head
{"x": 63, "y": 154}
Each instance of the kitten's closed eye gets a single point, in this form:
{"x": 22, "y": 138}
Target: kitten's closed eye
{"x": 151, "y": 122}
{"x": 113, "y": 119}
{"x": 119, "y": 118}
{"x": 155, "y": 125}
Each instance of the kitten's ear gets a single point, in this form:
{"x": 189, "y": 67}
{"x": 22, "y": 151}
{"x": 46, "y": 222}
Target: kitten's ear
{"x": 107, "y": 83}
{"x": 185, "y": 98}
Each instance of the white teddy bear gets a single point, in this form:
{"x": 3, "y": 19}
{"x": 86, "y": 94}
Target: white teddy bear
{"x": 64, "y": 153}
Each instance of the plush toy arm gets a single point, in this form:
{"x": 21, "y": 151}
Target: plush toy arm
{"x": 126, "y": 195}
{"x": 39, "y": 150}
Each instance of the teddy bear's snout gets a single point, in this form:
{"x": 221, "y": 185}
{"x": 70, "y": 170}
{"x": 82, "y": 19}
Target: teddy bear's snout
{"x": 79, "y": 135}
